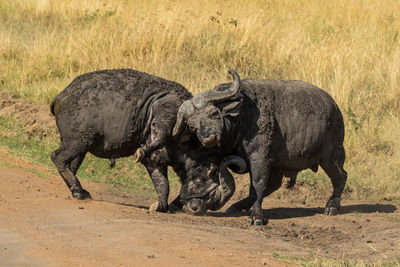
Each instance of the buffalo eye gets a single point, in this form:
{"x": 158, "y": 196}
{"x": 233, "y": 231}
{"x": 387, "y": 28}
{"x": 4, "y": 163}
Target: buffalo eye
{"x": 214, "y": 113}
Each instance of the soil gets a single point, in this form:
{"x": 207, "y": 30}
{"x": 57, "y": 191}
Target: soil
{"x": 37, "y": 118}
{"x": 42, "y": 225}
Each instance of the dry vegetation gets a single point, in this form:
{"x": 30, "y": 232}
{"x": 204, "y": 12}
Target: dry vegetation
{"x": 349, "y": 48}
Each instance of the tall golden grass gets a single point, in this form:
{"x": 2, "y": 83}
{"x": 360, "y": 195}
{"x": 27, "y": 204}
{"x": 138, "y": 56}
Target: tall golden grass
{"x": 349, "y": 48}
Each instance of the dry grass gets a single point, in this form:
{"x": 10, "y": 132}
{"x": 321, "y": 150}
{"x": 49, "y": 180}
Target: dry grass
{"x": 349, "y": 48}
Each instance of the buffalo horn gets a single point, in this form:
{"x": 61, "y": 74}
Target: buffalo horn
{"x": 215, "y": 96}
{"x": 202, "y": 99}
{"x": 185, "y": 110}
{"x": 226, "y": 186}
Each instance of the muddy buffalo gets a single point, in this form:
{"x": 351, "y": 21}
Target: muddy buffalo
{"x": 113, "y": 113}
{"x": 278, "y": 127}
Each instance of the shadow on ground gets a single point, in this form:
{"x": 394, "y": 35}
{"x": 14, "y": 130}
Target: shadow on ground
{"x": 287, "y": 213}
{"x": 284, "y": 213}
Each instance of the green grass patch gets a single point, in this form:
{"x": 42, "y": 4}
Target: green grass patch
{"x": 314, "y": 179}
{"x": 33, "y": 148}
{"x": 358, "y": 214}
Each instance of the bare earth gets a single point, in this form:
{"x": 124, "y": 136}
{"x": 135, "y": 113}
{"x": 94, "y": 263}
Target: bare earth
{"x": 41, "y": 225}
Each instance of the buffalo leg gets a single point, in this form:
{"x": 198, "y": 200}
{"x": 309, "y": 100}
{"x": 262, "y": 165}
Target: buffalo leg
{"x": 63, "y": 158}
{"x": 274, "y": 181}
{"x": 266, "y": 185}
{"x": 77, "y": 162}
{"x": 334, "y": 169}
{"x": 158, "y": 175}
{"x": 259, "y": 173}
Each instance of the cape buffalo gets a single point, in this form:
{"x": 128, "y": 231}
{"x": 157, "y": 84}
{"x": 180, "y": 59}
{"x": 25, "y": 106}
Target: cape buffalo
{"x": 278, "y": 127}
{"x": 112, "y": 114}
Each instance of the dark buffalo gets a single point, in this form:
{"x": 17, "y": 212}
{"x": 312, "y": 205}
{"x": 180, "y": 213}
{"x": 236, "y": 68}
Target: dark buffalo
{"x": 278, "y": 127}
{"x": 112, "y": 114}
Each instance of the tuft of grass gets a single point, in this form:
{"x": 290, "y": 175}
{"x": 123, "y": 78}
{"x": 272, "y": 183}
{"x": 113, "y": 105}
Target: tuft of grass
{"x": 358, "y": 214}
{"x": 350, "y": 49}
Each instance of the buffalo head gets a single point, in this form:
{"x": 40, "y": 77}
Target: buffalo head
{"x": 200, "y": 195}
{"x": 204, "y": 113}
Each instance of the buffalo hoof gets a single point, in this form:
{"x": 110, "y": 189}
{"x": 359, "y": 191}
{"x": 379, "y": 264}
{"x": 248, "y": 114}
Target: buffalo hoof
{"x": 331, "y": 211}
{"x": 139, "y": 155}
{"x": 256, "y": 222}
{"x": 157, "y": 207}
{"x": 333, "y": 206}
{"x": 82, "y": 194}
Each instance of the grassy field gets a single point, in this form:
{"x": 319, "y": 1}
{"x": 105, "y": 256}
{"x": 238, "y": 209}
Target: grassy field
{"x": 349, "y": 48}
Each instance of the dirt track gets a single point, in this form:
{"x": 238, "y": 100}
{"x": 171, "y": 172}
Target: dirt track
{"x": 42, "y": 226}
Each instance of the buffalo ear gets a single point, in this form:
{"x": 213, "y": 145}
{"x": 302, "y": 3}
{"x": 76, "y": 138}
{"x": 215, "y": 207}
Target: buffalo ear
{"x": 231, "y": 109}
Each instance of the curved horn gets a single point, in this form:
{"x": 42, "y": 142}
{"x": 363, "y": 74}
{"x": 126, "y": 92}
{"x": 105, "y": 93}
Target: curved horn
{"x": 202, "y": 99}
{"x": 226, "y": 187}
{"x": 235, "y": 163}
{"x": 216, "y": 95}
{"x": 185, "y": 110}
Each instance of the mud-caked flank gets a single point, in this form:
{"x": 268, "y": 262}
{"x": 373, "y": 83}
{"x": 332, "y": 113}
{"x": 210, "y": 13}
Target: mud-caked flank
{"x": 112, "y": 114}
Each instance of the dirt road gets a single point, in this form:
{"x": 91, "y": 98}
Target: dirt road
{"x": 41, "y": 225}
